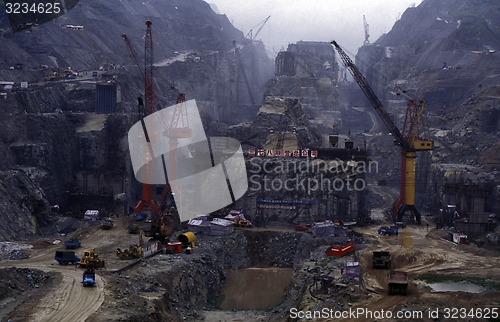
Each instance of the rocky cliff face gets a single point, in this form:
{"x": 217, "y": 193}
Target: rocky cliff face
{"x": 59, "y": 147}
{"x": 445, "y": 52}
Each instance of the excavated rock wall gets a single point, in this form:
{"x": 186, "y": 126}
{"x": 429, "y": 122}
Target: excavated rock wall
{"x": 24, "y": 207}
{"x": 196, "y": 283}
{"x": 66, "y": 154}
{"x": 307, "y": 71}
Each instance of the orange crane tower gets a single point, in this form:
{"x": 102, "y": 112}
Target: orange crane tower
{"x": 148, "y": 200}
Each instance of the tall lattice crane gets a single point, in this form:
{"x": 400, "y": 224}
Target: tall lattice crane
{"x": 159, "y": 224}
{"x": 149, "y": 94}
{"x": 367, "y": 31}
{"x": 133, "y": 54}
{"x": 250, "y": 35}
{"x": 408, "y": 140}
{"x": 148, "y": 107}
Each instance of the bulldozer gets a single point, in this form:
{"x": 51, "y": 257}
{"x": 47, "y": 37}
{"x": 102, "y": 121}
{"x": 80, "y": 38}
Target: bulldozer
{"x": 90, "y": 260}
{"x": 133, "y": 251}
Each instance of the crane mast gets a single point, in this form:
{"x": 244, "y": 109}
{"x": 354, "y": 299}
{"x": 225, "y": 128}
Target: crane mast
{"x": 251, "y": 35}
{"x": 367, "y": 31}
{"x": 409, "y": 141}
{"x": 149, "y": 95}
{"x": 148, "y": 108}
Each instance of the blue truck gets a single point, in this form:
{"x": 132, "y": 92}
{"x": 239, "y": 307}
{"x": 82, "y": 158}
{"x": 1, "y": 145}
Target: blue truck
{"x": 388, "y": 231}
{"x": 65, "y": 257}
{"x": 88, "y": 278}
{"x": 72, "y": 243}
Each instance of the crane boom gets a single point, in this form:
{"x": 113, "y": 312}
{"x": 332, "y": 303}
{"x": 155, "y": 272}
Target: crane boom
{"x": 133, "y": 54}
{"x": 148, "y": 72}
{"x": 408, "y": 141}
{"x": 251, "y": 35}
{"x": 372, "y": 97}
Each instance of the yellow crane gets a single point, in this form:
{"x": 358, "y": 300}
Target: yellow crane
{"x": 408, "y": 140}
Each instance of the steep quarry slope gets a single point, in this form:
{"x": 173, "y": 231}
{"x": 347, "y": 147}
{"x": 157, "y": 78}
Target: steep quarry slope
{"x": 179, "y": 25}
{"x": 55, "y": 150}
{"x": 446, "y": 52}
{"x": 183, "y": 32}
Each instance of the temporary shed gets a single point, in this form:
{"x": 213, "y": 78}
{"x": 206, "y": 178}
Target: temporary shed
{"x": 323, "y": 229}
{"x": 220, "y": 227}
{"x": 197, "y": 225}
{"x": 91, "y": 215}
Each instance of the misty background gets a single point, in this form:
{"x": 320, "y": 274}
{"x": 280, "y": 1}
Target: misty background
{"x": 316, "y": 20}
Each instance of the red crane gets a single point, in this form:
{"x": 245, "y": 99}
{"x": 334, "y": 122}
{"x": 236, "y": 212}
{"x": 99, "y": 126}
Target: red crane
{"x": 149, "y": 108}
{"x": 133, "y": 54}
{"x": 149, "y": 94}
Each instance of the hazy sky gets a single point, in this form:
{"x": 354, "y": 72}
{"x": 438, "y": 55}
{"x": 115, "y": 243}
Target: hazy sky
{"x": 315, "y": 20}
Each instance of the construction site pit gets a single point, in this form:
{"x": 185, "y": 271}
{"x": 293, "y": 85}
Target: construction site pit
{"x": 254, "y": 288}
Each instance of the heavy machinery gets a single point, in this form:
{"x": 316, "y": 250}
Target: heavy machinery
{"x": 158, "y": 223}
{"x": 388, "y": 231}
{"x": 107, "y": 223}
{"x": 133, "y": 227}
{"x": 408, "y": 140}
{"x": 251, "y": 35}
{"x": 65, "y": 257}
{"x": 397, "y": 282}
{"x": 133, "y": 251}
{"x": 381, "y": 259}
{"x": 72, "y": 243}
{"x": 88, "y": 277}
{"x": 90, "y": 259}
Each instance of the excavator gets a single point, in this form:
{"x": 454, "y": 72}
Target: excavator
{"x": 133, "y": 251}
{"x": 408, "y": 140}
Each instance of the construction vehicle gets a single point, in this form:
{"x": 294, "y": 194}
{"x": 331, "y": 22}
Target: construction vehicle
{"x": 139, "y": 216}
{"x": 133, "y": 228}
{"x": 72, "y": 243}
{"x": 388, "y": 231}
{"x": 240, "y": 222}
{"x": 90, "y": 259}
{"x": 408, "y": 140}
{"x": 238, "y": 218}
{"x": 398, "y": 282}
{"x": 107, "y": 223}
{"x": 381, "y": 259}
{"x": 133, "y": 251}
{"x": 65, "y": 257}
{"x": 88, "y": 278}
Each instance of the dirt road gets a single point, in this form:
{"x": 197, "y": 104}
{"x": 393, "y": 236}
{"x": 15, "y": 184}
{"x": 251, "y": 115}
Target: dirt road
{"x": 417, "y": 250}
{"x": 67, "y": 300}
